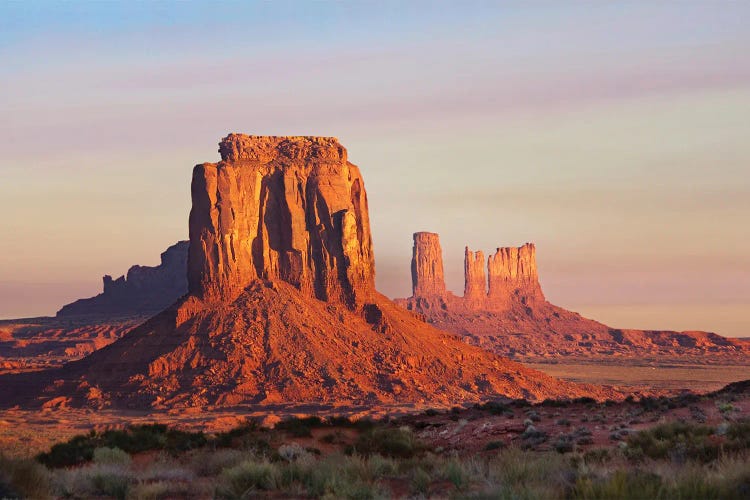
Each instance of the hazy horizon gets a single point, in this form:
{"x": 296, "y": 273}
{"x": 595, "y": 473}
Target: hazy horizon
{"x": 614, "y": 136}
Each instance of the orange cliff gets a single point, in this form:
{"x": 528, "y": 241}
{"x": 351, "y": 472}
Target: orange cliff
{"x": 282, "y": 306}
{"x": 505, "y": 311}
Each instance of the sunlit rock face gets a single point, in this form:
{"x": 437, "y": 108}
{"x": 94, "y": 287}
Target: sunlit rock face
{"x": 512, "y": 275}
{"x": 475, "y": 282}
{"x": 288, "y": 208}
{"x": 427, "y": 274}
{"x": 506, "y": 312}
{"x": 282, "y": 306}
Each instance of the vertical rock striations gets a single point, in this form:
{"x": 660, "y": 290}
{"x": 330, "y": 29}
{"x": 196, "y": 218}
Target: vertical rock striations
{"x": 287, "y": 208}
{"x": 427, "y": 277}
{"x": 475, "y": 282}
{"x": 282, "y": 306}
{"x": 513, "y": 275}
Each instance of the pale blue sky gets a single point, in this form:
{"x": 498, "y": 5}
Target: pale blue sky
{"x": 614, "y": 135}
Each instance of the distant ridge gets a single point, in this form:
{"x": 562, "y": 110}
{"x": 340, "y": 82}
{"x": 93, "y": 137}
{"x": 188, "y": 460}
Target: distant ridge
{"x": 506, "y": 312}
{"x": 144, "y": 291}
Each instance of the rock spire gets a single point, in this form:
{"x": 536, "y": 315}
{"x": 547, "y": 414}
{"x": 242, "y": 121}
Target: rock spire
{"x": 428, "y": 279}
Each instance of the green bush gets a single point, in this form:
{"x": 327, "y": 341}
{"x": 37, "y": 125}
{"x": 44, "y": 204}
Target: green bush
{"x": 112, "y": 481}
{"x": 240, "y": 480}
{"x": 420, "y": 481}
{"x": 114, "y": 456}
{"x": 389, "y": 441}
{"x": 494, "y": 445}
{"x": 134, "y": 439}
{"x": 676, "y": 440}
{"x": 299, "y": 427}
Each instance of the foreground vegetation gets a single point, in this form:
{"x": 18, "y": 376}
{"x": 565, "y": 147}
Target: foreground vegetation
{"x": 342, "y": 459}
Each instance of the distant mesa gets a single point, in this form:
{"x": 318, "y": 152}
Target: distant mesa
{"x": 144, "y": 291}
{"x": 503, "y": 309}
{"x": 282, "y": 305}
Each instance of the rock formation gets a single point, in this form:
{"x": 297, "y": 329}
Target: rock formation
{"x": 508, "y": 314}
{"x": 512, "y": 275}
{"x": 282, "y": 305}
{"x": 475, "y": 287}
{"x": 145, "y": 290}
{"x": 280, "y": 208}
{"x": 427, "y": 277}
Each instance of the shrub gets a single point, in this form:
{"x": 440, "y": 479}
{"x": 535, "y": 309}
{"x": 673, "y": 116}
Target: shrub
{"x": 676, "y": 440}
{"x": 211, "y": 463}
{"x": 389, "y": 441}
{"x": 420, "y": 481}
{"x": 23, "y": 477}
{"x": 456, "y": 473}
{"x": 114, "y": 456}
{"x": 110, "y": 480}
{"x": 245, "y": 477}
{"x": 495, "y": 408}
{"x": 299, "y": 427}
{"x": 564, "y": 444}
{"x": 494, "y": 445}
{"x": 134, "y": 439}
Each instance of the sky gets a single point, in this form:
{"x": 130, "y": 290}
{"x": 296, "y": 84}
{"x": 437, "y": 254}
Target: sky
{"x": 614, "y": 135}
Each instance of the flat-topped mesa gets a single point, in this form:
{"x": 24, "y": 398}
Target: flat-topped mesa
{"x": 512, "y": 274}
{"x": 266, "y": 148}
{"x": 280, "y": 208}
{"x": 427, "y": 277}
{"x": 475, "y": 282}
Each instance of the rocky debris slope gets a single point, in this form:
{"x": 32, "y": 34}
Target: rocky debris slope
{"x": 145, "y": 290}
{"x": 282, "y": 305}
{"x": 508, "y": 314}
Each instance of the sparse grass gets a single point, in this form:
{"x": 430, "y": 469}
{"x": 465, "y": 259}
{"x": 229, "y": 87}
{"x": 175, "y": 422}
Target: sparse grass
{"x": 675, "y": 460}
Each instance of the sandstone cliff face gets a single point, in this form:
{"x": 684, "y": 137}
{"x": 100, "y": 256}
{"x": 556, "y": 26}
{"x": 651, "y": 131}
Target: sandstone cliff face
{"x": 288, "y": 208}
{"x": 145, "y": 289}
{"x": 511, "y": 278}
{"x": 428, "y": 279}
{"x": 513, "y": 275}
{"x": 475, "y": 283}
{"x": 282, "y": 306}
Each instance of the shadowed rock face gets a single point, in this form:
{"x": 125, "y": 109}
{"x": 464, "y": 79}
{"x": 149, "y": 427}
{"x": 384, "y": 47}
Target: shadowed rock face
{"x": 287, "y": 208}
{"x": 145, "y": 290}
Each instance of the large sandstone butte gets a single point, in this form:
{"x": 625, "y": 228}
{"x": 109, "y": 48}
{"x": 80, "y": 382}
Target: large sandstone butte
{"x": 282, "y": 305}
{"x": 145, "y": 290}
{"x": 506, "y": 312}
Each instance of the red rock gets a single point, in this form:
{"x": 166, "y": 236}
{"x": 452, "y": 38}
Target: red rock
{"x": 280, "y": 208}
{"x": 475, "y": 288}
{"x": 512, "y": 275}
{"x": 513, "y": 318}
{"x": 282, "y": 306}
{"x": 428, "y": 279}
